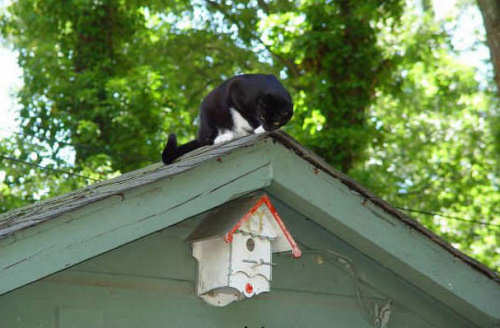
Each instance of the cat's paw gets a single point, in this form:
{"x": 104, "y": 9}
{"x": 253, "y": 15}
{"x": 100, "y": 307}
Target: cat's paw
{"x": 260, "y": 129}
{"x": 226, "y": 136}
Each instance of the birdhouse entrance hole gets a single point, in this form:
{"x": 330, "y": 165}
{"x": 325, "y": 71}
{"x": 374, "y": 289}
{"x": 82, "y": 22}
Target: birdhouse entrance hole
{"x": 250, "y": 244}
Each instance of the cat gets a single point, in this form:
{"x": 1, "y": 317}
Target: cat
{"x": 241, "y": 105}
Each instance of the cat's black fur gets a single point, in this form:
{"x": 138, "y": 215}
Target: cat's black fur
{"x": 260, "y": 99}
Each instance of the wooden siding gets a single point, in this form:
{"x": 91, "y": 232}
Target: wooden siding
{"x": 150, "y": 283}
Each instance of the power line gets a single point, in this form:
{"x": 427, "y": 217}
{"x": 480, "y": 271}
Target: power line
{"x": 447, "y": 216}
{"x": 87, "y": 147}
{"x": 12, "y": 159}
{"x": 20, "y": 133}
{"x": 86, "y": 177}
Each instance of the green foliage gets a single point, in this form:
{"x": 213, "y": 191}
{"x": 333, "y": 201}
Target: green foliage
{"x": 111, "y": 76}
{"x": 328, "y": 52}
{"x": 22, "y": 184}
{"x": 377, "y": 90}
{"x": 437, "y": 153}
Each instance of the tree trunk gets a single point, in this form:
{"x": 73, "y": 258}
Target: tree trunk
{"x": 490, "y": 9}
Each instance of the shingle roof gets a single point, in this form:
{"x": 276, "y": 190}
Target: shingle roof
{"x": 38, "y": 212}
{"x": 34, "y": 214}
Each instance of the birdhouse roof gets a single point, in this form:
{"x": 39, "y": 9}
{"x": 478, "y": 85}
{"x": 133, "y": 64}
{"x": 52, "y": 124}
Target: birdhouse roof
{"x": 228, "y": 218}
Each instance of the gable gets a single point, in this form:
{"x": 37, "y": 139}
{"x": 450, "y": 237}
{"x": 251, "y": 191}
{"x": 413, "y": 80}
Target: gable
{"x": 151, "y": 281}
{"x": 137, "y": 204}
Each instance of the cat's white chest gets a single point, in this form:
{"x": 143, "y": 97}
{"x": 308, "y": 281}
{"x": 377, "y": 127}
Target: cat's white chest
{"x": 241, "y": 128}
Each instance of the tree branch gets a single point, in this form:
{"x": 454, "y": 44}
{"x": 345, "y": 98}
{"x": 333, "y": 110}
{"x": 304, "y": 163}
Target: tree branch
{"x": 490, "y": 10}
{"x": 292, "y": 67}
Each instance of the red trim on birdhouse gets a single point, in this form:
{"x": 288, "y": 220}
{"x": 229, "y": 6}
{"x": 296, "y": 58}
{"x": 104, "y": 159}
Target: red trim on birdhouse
{"x": 229, "y": 236}
{"x": 296, "y": 252}
{"x": 295, "y": 248}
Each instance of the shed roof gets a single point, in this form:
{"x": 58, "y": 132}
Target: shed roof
{"x": 39, "y": 212}
{"x": 48, "y": 236}
{"x": 36, "y": 213}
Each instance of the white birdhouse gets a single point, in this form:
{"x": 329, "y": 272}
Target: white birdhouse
{"x": 234, "y": 246}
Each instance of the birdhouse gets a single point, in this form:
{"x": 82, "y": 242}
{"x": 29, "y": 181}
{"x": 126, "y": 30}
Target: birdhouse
{"x": 233, "y": 246}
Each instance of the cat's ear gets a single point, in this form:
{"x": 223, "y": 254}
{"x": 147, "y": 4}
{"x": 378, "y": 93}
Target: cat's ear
{"x": 236, "y": 93}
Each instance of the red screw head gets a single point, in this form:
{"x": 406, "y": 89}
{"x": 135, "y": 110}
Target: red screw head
{"x": 248, "y": 288}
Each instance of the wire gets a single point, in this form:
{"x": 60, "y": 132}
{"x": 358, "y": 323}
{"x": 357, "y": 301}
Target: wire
{"x": 20, "y": 133}
{"x": 88, "y": 147}
{"x": 12, "y": 159}
{"x": 447, "y": 216}
{"x": 367, "y": 308}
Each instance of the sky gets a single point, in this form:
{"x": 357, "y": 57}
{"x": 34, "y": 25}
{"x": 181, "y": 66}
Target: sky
{"x": 10, "y": 81}
{"x": 463, "y": 39}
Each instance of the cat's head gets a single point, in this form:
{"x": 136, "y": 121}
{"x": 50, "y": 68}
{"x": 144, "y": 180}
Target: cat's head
{"x": 274, "y": 110}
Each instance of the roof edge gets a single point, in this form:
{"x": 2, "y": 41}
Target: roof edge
{"x": 289, "y": 142}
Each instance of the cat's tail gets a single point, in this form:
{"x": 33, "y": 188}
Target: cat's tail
{"x": 172, "y": 151}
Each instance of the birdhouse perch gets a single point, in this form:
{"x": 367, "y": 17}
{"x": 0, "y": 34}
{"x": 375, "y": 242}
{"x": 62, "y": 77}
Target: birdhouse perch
{"x": 234, "y": 246}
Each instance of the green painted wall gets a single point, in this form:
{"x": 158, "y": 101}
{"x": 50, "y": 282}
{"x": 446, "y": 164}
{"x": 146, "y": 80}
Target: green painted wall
{"x": 150, "y": 283}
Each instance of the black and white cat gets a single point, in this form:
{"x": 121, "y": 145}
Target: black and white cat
{"x": 241, "y": 105}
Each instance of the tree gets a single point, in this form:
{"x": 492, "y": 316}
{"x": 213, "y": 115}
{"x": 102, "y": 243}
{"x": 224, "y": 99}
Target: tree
{"x": 329, "y": 54}
{"x": 377, "y": 93}
{"x": 437, "y": 153}
{"x": 490, "y": 9}
{"x": 88, "y": 78}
